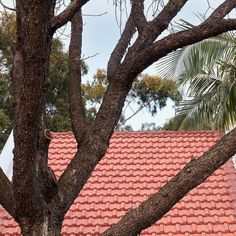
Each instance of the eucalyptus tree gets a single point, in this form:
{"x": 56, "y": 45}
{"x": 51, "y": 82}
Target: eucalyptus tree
{"x": 36, "y": 202}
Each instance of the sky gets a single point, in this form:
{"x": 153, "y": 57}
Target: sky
{"x": 101, "y": 33}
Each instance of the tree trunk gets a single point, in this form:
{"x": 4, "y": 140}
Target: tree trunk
{"x": 44, "y": 227}
{"x": 30, "y": 168}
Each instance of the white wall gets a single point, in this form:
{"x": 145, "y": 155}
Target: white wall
{"x": 6, "y": 157}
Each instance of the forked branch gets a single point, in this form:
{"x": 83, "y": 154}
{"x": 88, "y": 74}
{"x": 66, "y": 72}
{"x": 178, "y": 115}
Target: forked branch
{"x": 66, "y": 15}
{"x": 122, "y": 73}
{"x": 172, "y": 42}
{"x": 121, "y": 47}
{"x": 224, "y": 9}
{"x": 152, "y": 29}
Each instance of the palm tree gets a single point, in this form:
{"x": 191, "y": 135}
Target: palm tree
{"x": 207, "y": 71}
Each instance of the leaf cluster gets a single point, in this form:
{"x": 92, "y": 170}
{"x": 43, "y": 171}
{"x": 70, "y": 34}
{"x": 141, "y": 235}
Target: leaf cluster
{"x": 152, "y": 92}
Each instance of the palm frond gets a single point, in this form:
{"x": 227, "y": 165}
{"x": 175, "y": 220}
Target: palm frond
{"x": 205, "y": 53}
{"x": 208, "y": 70}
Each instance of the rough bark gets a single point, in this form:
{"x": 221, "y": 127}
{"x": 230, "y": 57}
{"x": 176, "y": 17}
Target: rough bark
{"x": 46, "y": 227}
{"x": 61, "y": 19}
{"x": 6, "y": 194}
{"x": 30, "y": 171}
{"x": 193, "y": 174}
{"x": 35, "y": 199}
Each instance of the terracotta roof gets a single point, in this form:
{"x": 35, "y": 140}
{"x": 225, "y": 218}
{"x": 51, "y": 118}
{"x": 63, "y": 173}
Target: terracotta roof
{"x": 136, "y": 165}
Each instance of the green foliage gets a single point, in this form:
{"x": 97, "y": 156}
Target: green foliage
{"x": 7, "y": 36}
{"x": 94, "y": 91}
{"x": 183, "y": 122}
{"x": 208, "y": 70}
{"x": 149, "y": 126}
{"x": 6, "y": 109}
{"x": 57, "y": 98}
{"x": 152, "y": 92}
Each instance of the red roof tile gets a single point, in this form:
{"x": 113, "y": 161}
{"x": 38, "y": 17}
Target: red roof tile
{"x": 136, "y": 165}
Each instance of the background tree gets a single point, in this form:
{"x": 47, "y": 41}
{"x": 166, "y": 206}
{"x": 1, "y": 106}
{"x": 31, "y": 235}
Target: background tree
{"x": 57, "y": 99}
{"x": 150, "y": 92}
{"x": 36, "y": 202}
{"x": 5, "y": 110}
{"x": 146, "y": 91}
{"x": 57, "y": 104}
{"x": 7, "y": 32}
{"x": 149, "y": 126}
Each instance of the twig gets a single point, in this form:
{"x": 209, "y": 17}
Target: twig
{"x": 94, "y": 55}
{"x": 6, "y": 7}
{"x": 101, "y": 14}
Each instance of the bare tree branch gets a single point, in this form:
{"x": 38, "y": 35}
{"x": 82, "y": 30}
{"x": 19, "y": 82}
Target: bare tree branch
{"x": 161, "y": 48}
{"x": 99, "y": 133}
{"x": 74, "y": 178}
{"x": 81, "y": 167}
{"x": 224, "y": 9}
{"x": 91, "y": 150}
{"x": 121, "y": 47}
{"x": 138, "y": 15}
{"x": 193, "y": 174}
{"x": 96, "y": 15}
{"x": 6, "y": 194}
{"x": 144, "y": 57}
{"x": 154, "y": 28}
{"x": 131, "y": 116}
{"x": 75, "y": 98}
{"x": 91, "y": 56}
{"x": 161, "y": 22}
{"x": 163, "y": 19}
{"x": 67, "y": 14}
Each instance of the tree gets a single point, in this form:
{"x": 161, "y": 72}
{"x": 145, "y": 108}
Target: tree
{"x": 36, "y": 202}
{"x": 57, "y": 102}
{"x": 149, "y": 127}
{"x": 207, "y": 69}
{"x": 150, "y": 92}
